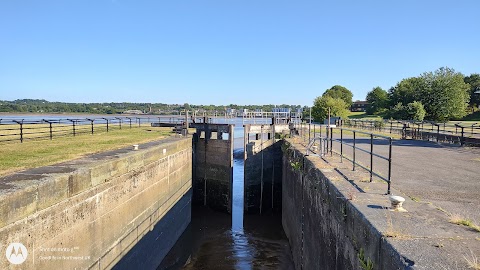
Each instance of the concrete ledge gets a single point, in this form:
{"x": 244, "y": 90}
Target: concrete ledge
{"x": 91, "y": 203}
{"x": 330, "y": 216}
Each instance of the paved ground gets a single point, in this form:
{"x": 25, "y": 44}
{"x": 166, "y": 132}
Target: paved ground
{"x": 445, "y": 175}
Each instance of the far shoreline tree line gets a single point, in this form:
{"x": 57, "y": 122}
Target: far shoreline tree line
{"x": 439, "y": 96}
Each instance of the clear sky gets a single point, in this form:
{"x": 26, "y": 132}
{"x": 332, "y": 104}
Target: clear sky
{"x": 227, "y": 51}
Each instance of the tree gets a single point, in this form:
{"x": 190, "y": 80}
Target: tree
{"x": 445, "y": 95}
{"x": 377, "y": 100}
{"x": 338, "y": 91}
{"x": 474, "y": 81}
{"x": 415, "y": 111}
{"x": 338, "y": 108}
{"x": 412, "y": 111}
{"x": 406, "y": 91}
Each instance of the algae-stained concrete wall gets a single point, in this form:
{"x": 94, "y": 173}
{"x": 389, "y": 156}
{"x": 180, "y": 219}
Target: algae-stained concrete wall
{"x": 324, "y": 228}
{"x": 88, "y": 213}
{"x": 213, "y": 170}
{"x": 260, "y": 187}
{"x": 263, "y": 168}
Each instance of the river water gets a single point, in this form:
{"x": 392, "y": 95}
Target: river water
{"x": 216, "y": 240}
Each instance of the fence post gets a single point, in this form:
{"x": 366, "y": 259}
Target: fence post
{"x": 354, "y": 147}
{"x": 309, "y": 130}
{"x": 341, "y": 145}
{"x": 389, "y": 165}
{"x": 331, "y": 141}
{"x": 73, "y": 125}
{"x": 119, "y": 122}
{"x": 371, "y": 158}
{"x": 462, "y": 139}
{"x": 91, "y": 124}
{"x": 51, "y": 133}
{"x": 438, "y": 132}
{"x": 107, "y": 125}
{"x": 327, "y": 136}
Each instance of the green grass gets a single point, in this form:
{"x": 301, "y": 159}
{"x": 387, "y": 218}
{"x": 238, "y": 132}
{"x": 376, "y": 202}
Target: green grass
{"x": 31, "y": 154}
{"x": 456, "y": 219}
{"x": 364, "y": 116}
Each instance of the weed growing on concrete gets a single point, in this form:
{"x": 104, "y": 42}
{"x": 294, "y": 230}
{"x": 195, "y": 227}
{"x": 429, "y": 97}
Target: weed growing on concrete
{"x": 285, "y": 147}
{"x": 472, "y": 261}
{"x": 415, "y": 199}
{"x": 365, "y": 263}
{"x": 296, "y": 165}
{"x": 441, "y": 210}
{"x": 456, "y": 219}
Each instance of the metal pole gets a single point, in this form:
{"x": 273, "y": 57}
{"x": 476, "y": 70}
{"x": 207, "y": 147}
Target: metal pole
{"x": 462, "y": 140}
{"x": 21, "y": 132}
{"x": 261, "y": 174}
{"x": 371, "y": 157}
{"x": 341, "y": 145}
{"x": 309, "y": 125}
{"x": 331, "y": 141}
{"x": 389, "y": 165}
{"x": 354, "y": 150}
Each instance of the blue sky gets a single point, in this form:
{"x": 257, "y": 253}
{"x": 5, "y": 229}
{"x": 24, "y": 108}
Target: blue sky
{"x": 227, "y": 51}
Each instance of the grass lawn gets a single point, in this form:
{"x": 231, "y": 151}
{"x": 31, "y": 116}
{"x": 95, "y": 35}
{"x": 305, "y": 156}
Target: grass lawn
{"x": 30, "y": 154}
{"x": 364, "y": 116}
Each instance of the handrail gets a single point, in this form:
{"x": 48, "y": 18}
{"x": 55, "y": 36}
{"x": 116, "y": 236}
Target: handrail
{"x": 371, "y": 152}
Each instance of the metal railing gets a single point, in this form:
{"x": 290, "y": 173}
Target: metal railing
{"x": 20, "y": 130}
{"x": 325, "y": 136}
{"x": 370, "y": 151}
{"x": 455, "y": 132}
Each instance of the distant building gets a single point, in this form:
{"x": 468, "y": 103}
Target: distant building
{"x": 359, "y": 106}
{"x": 231, "y": 112}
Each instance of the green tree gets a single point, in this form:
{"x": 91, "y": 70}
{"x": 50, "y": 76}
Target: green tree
{"x": 445, "y": 95}
{"x": 406, "y": 91}
{"x": 415, "y": 111}
{"x": 338, "y": 108}
{"x": 377, "y": 100}
{"x": 474, "y": 81}
{"x": 412, "y": 111}
{"x": 338, "y": 91}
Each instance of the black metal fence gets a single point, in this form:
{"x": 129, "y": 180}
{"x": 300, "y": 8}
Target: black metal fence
{"x": 20, "y": 130}
{"x": 373, "y": 147}
{"x": 461, "y": 133}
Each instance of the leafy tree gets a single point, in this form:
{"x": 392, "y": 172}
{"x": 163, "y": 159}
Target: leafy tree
{"x": 412, "y": 111}
{"x": 445, "y": 95}
{"x": 415, "y": 111}
{"x": 338, "y": 107}
{"x": 338, "y": 91}
{"x": 406, "y": 91}
{"x": 377, "y": 100}
{"x": 474, "y": 81}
